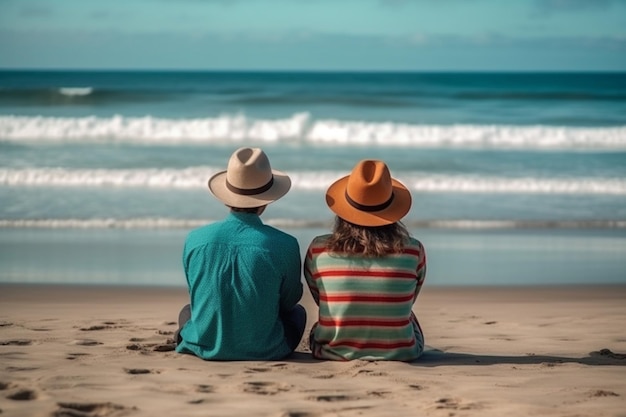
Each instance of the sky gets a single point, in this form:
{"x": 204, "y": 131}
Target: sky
{"x": 367, "y": 35}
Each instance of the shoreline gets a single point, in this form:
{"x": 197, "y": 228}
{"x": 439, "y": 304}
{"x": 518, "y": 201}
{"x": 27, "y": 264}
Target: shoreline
{"x": 492, "y": 351}
{"x": 25, "y": 290}
{"x": 455, "y": 257}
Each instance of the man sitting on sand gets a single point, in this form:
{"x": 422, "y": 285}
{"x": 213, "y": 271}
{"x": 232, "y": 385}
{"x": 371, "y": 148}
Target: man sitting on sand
{"x": 243, "y": 276}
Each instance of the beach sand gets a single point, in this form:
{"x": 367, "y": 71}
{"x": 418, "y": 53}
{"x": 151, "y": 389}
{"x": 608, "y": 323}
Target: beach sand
{"x": 106, "y": 351}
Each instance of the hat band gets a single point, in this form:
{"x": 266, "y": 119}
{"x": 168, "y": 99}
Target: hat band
{"x": 250, "y": 191}
{"x": 363, "y": 207}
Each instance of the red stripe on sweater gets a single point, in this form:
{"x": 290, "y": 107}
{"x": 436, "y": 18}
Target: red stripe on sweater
{"x": 317, "y": 249}
{"x": 367, "y": 298}
{"x": 421, "y": 265}
{"x": 410, "y": 251}
{"x": 371, "y": 345}
{"x": 371, "y": 273}
{"x": 363, "y": 322}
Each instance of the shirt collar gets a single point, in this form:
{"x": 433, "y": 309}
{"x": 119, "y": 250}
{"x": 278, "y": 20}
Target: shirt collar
{"x": 248, "y": 218}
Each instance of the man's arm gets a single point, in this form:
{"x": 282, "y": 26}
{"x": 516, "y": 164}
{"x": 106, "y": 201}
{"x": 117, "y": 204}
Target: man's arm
{"x": 291, "y": 288}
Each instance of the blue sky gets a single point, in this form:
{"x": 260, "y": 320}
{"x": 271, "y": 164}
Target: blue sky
{"x": 420, "y": 35}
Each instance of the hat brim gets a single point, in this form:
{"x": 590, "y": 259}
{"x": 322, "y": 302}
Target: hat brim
{"x": 280, "y": 187}
{"x": 399, "y": 207}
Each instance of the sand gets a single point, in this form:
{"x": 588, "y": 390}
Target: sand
{"x": 106, "y": 351}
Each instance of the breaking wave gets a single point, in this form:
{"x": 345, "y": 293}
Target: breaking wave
{"x": 195, "y": 177}
{"x": 76, "y": 91}
{"x": 174, "y": 223}
{"x": 300, "y": 128}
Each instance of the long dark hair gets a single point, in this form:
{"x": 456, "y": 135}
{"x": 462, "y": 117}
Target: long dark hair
{"x": 374, "y": 242}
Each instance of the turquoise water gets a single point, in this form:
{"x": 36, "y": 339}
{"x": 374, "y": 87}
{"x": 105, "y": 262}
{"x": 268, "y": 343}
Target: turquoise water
{"x": 468, "y": 257}
{"x": 515, "y": 177}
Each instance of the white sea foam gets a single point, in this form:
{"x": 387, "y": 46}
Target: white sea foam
{"x": 103, "y": 223}
{"x": 195, "y": 177}
{"x": 149, "y": 130}
{"x": 152, "y": 177}
{"x": 302, "y": 129}
{"x": 174, "y": 223}
{"x": 76, "y": 91}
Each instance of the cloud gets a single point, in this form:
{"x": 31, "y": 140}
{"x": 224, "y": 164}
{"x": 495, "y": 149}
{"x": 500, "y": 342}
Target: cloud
{"x": 544, "y": 6}
{"x": 553, "y": 6}
{"x": 398, "y": 3}
{"x": 500, "y": 40}
{"x": 36, "y": 11}
{"x": 110, "y": 15}
{"x": 305, "y": 51}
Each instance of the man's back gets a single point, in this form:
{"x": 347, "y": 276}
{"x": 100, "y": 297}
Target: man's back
{"x": 241, "y": 274}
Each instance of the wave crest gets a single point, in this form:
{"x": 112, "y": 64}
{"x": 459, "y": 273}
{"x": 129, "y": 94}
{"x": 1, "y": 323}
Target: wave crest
{"x": 174, "y": 223}
{"x": 195, "y": 177}
{"x": 76, "y": 91}
{"x": 300, "y": 128}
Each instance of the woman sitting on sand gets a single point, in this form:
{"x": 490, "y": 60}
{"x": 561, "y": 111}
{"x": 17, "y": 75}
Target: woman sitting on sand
{"x": 366, "y": 275}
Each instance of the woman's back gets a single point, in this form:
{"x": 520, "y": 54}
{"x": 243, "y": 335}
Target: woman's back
{"x": 365, "y": 302}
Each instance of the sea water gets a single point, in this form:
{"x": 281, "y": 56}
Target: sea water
{"x": 517, "y": 178}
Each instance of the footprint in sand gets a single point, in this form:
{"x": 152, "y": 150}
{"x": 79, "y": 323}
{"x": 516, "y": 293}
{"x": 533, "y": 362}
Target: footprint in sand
{"x": 273, "y": 367}
{"x": 104, "y": 326}
{"x": 503, "y": 337}
{"x": 334, "y": 398}
{"x": 369, "y": 372}
{"x": 21, "y": 368}
{"x": 165, "y": 347}
{"x": 323, "y": 376}
{"x": 86, "y": 342}
{"x": 603, "y": 393}
{"x": 139, "y": 371}
{"x": 156, "y": 347}
{"x": 250, "y": 370}
{"x": 454, "y": 404}
{"x": 72, "y": 356}
{"x": 90, "y": 409}
{"x": 39, "y": 329}
{"x": 94, "y": 328}
{"x": 16, "y": 342}
{"x": 134, "y": 346}
{"x": 378, "y": 394}
{"x": 198, "y": 401}
{"x": 22, "y": 395}
{"x": 204, "y": 388}
{"x": 264, "y": 388}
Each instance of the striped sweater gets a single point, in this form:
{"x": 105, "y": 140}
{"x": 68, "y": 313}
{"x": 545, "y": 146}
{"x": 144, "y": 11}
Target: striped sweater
{"x": 365, "y": 304}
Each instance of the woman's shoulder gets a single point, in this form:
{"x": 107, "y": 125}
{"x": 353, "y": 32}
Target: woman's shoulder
{"x": 414, "y": 243}
{"x": 319, "y": 241}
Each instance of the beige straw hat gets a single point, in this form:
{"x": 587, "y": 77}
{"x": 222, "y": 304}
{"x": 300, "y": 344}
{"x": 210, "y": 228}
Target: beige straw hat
{"x": 369, "y": 196}
{"x": 249, "y": 180}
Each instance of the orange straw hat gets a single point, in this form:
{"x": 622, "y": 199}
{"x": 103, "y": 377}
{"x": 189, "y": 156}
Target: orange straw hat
{"x": 249, "y": 180}
{"x": 369, "y": 196}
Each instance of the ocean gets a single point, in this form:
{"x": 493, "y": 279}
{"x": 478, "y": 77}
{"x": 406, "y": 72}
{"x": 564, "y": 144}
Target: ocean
{"x": 517, "y": 178}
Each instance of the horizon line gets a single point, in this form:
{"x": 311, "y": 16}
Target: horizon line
{"x": 352, "y": 71}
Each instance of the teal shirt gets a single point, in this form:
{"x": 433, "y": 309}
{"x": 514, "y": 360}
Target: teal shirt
{"x": 241, "y": 274}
